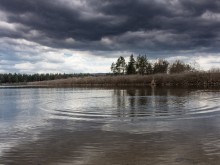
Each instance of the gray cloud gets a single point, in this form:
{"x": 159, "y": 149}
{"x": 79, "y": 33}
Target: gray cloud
{"x": 135, "y": 25}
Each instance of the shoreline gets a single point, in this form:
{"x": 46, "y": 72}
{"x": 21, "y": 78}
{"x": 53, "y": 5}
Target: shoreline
{"x": 182, "y": 80}
{"x": 186, "y": 80}
{"x": 9, "y": 86}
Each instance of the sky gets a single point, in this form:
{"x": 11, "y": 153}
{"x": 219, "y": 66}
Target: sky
{"x": 86, "y": 36}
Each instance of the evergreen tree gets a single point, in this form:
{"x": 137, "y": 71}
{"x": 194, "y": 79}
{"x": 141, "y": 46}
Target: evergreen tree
{"x": 131, "y": 68}
{"x": 143, "y": 66}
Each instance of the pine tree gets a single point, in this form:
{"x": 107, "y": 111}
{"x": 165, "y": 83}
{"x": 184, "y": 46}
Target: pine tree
{"x": 131, "y": 68}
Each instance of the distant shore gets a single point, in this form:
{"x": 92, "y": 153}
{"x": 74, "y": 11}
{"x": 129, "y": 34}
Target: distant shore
{"x": 191, "y": 79}
{"x": 8, "y": 86}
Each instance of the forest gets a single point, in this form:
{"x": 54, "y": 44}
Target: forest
{"x": 23, "y": 78}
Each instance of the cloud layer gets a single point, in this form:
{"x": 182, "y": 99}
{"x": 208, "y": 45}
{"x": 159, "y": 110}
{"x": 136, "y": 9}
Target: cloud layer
{"x": 161, "y": 28}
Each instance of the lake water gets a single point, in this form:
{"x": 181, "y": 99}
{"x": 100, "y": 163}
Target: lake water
{"x": 109, "y": 126}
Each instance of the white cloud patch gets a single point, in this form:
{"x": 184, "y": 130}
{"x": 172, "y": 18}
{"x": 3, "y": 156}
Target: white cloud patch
{"x": 30, "y": 57}
{"x": 209, "y": 61}
{"x": 12, "y": 27}
{"x": 24, "y": 67}
{"x": 202, "y": 61}
{"x": 208, "y": 15}
{"x": 70, "y": 41}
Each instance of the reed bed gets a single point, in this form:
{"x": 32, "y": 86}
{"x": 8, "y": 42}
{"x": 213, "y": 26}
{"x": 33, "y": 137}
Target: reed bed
{"x": 190, "y": 79}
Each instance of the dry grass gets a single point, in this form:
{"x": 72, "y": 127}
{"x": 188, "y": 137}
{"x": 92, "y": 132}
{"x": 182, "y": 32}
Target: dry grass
{"x": 99, "y": 81}
{"x": 199, "y": 79}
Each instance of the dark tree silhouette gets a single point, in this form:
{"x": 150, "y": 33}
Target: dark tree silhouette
{"x": 161, "y": 66}
{"x": 131, "y": 67}
{"x": 179, "y": 66}
{"x": 119, "y": 67}
{"x": 143, "y": 66}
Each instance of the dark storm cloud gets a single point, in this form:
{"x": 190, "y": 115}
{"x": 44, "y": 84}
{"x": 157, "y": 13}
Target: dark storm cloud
{"x": 135, "y": 25}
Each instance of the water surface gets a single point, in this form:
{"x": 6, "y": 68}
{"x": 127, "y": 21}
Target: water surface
{"x": 109, "y": 126}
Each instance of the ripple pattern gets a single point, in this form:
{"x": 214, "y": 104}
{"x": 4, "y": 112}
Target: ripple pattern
{"x": 111, "y": 105}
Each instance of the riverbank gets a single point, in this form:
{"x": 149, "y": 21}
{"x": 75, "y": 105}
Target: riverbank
{"x": 193, "y": 79}
{"x": 8, "y": 86}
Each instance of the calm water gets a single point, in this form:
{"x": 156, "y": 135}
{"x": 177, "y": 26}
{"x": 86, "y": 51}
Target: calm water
{"x": 109, "y": 126}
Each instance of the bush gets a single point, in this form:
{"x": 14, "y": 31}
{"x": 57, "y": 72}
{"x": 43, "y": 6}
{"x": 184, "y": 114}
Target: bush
{"x": 179, "y": 67}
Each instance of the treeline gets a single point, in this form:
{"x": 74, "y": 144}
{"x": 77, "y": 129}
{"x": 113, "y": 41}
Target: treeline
{"x": 141, "y": 65}
{"x": 22, "y": 78}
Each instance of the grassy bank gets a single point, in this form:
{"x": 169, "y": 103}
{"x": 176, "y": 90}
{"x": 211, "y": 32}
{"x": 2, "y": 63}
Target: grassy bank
{"x": 194, "y": 79}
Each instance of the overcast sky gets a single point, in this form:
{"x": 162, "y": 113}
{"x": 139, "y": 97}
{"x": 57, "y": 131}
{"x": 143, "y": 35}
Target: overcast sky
{"x": 88, "y": 35}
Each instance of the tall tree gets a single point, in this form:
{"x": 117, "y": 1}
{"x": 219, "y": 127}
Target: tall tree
{"x": 131, "y": 68}
{"x": 113, "y": 68}
{"x": 120, "y": 65}
{"x": 161, "y": 66}
{"x": 143, "y": 66}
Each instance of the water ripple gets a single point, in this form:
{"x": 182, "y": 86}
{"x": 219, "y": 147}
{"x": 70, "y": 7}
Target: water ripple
{"x": 117, "y": 107}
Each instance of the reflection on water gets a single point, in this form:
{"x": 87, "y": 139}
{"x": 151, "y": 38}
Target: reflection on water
{"x": 109, "y": 126}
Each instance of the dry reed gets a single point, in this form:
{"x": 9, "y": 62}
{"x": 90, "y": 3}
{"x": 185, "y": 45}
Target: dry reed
{"x": 197, "y": 79}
